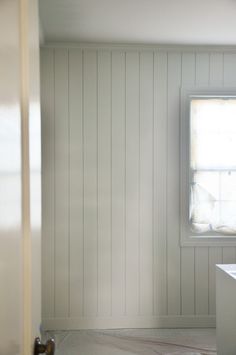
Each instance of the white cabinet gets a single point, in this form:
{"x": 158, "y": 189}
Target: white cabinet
{"x": 226, "y": 309}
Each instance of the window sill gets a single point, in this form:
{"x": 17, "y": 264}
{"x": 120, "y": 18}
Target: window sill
{"x": 212, "y": 241}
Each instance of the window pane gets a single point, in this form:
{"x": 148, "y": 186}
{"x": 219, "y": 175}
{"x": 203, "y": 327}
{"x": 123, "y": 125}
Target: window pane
{"x": 204, "y": 211}
{"x": 213, "y": 133}
{"x": 213, "y": 201}
{"x": 228, "y": 186}
{"x": 209, "y": 181}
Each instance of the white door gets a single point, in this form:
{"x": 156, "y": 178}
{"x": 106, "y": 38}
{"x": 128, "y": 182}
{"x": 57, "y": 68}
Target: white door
{"x": 20, "y": 174}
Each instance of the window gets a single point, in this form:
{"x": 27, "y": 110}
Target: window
{"x": 208, "y": 155}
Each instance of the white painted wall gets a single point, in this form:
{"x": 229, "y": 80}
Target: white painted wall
{"x": 111, "y": 166}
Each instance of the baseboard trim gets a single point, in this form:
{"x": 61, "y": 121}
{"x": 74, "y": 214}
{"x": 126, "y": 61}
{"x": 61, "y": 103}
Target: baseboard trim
{"x": 129, "y": 322}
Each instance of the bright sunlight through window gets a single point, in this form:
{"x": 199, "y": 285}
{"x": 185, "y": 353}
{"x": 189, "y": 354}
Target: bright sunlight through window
{"x": 213, "y": 165}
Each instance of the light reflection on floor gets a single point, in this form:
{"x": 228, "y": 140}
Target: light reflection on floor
{"x": 135, "y": 341}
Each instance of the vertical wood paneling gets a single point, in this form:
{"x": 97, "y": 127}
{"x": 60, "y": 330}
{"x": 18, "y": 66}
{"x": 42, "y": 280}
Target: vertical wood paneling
{"x": 230, "y": 81}
{"x": 118, "y": 183}
{"x": 228, "y": 255}
{"x": 48, "y": 176}
{"x": 187, "y": 254}
{"x": 215, "y": 257}
{"x": 61, "y": 184}
{"x": 202, "y": 69}
{"x": 215, "y": 253}
{"x": 201, "y": 280}
{"x": 188, "y": 69}
{"x": 132, "y": 182}
{"x": 111, "y": 184}
{"x": 173, "y": 168}
{"x": 104, "y": 183}
{"x": 76, "y": 182}
{"x": 90, "y": 184}
{"x": 160, "y": 115}
{"x": 216, "y": 69}
{"x": 201, "y": 254}
{"x": 229, "y": 69}
{"x": 146, "y": 185}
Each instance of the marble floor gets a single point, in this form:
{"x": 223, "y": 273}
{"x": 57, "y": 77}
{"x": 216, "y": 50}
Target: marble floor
{"x": 135, "y": 341}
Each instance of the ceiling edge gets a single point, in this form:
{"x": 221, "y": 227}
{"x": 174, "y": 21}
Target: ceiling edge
{"x": 137, "y": 46}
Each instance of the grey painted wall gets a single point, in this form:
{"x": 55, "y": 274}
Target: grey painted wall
{"x": 111, "y": 176}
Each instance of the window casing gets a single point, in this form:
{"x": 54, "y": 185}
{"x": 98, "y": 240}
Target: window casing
{"x": 208, "y": 167}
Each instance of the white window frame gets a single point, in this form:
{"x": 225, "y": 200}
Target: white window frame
{"x": 187, "y": 237}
